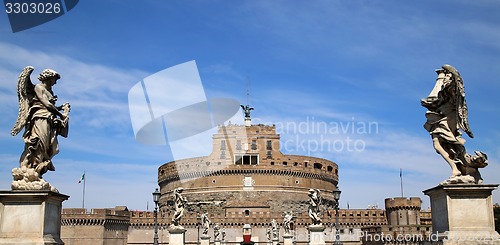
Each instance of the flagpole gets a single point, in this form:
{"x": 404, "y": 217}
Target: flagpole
{"x": 401, "y": 177}
{"x": 83, "y": 192}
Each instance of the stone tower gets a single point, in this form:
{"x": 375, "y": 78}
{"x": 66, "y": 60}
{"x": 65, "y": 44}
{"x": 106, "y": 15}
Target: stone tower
{"x": 403, "y": 211}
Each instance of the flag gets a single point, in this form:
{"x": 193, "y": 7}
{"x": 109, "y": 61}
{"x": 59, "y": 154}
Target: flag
{"x": 82, "y": 178}
{"x": 400, "y": 172}
{"x": 347, "y": 205}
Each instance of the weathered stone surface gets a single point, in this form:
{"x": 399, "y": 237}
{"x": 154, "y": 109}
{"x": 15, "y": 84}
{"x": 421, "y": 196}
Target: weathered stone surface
{"x": 463, "y": 214}
{"x": 316, "y": 236}
{"x": 287, "y": 239}
{"x": 108, "y": 226}
{"x": 28, "y": 179}
{"x": 177, "y": 236}
{"x": 205, "y": 240}
{"x": 30, "y": 217}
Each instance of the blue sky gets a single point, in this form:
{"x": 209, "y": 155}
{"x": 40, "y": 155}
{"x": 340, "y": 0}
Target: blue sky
{"x": 336, "y": 62}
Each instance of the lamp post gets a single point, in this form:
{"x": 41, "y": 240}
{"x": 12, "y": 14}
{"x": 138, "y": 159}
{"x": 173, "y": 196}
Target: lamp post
{"x": 336, "y": 196}
{"x": 156, "y": 199}
{"x": 198, "y": 224}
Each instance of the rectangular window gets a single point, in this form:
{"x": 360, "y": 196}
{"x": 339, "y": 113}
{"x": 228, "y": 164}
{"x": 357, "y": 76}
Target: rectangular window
{"x": 246, "y": 160}
{"x": 223, "y": 154}
{"x": 238, "y": 160}
{"x": 269, "y": 145}
{"x": 222, "y": 144}
{"x": 269, "y": 154}
{"x": 238, "y": 145}
{"x": 252, "y": 159}
{"x": 254, "y": 144}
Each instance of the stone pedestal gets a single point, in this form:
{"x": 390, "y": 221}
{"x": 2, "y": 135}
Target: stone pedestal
{"x": 276, "y": 241}
{"x": 316, "y": 236}
{"x": 463, "y": 214}
{"x": 31, "y": 217}
{"x": 288, "y": 239}
{"x": 217, "y": 242}
{"x": 177, "y": 235}
{"x": 205, "y": 240}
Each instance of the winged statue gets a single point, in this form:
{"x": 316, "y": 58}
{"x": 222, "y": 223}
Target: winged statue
{"x": 246, "y": 110}
{"x": 314, "y": 206}
{"x": 42, "y": 122}
{"x": 447, "y": 116}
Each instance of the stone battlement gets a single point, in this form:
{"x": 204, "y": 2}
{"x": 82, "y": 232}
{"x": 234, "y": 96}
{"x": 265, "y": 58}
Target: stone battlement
{"x": 235, "y": 219}
{"x": 396, "y": 203}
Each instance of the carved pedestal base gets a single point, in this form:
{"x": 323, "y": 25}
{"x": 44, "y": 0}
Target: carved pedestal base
{"x": 463, "y": 214}
{"x": 177, "y": 235}
{"x": 31, "y": 217}
{"x": 276, "y": 241}
{"x": 205, "y": 240}
{"x": 288, "y": 239}
{"x": 316, "y": 236}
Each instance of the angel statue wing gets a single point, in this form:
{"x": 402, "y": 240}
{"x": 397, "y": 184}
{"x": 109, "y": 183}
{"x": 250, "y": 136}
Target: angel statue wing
{"x": 25, "y": 94}
{"x": 461, "y": 105}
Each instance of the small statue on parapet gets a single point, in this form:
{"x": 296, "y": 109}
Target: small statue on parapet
{"x": 314, "y": 206}
{"x": 205, "y": 221}
{"x": 268, "y": 234}
{"x": 216, "y": 231}
{"x": 42, "y": 121}
{"x": 288, "y": 222}
{"x": 180, "y": 203}
{"x": 448, "y": 114}
{"x": 275, "y": 230}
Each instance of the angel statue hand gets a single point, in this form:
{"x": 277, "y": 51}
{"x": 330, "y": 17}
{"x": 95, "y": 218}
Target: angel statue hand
{"x": 66, "y": 107}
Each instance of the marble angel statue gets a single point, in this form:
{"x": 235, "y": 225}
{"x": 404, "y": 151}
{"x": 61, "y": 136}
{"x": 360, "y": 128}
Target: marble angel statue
{"x": 314, "y": 206}
{"x": 447, "y": 116}
{"x": 43, "y": 121}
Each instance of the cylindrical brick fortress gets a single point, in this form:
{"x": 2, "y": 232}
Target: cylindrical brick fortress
{"x": 246, "y": 172}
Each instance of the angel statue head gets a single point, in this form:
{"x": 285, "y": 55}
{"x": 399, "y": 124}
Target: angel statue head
{"x": 48, "y": 74}
{"x": 42, "y": 121}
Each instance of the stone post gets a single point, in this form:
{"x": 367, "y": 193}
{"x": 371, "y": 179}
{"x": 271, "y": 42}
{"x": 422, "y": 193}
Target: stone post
{"x": 463, "y": 214}
{"x": 316, "y": 236}
{"x": 287, "y": 239}
{"x": 177, "y": 235}
{"x": 31, "y": 217}
{"x": 205, "y": 240}
{"x": 276, "y": 241}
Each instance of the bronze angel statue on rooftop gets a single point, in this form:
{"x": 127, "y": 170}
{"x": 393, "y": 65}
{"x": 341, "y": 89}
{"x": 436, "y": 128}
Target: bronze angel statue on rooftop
{"x": 42, "y": 121}
{"x": 447, "y": 114}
